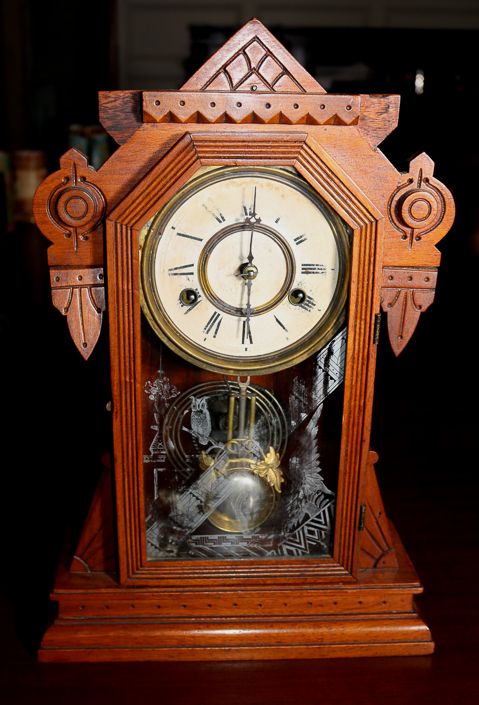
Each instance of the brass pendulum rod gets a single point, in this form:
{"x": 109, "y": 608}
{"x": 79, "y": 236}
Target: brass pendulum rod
{"x": 242, "y": 405}
{"x": 231, "y": 415}
{"x": 252, "y": 413}
{"x": 242, "y": 398}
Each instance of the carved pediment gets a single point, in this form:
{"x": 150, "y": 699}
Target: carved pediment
{"x": 253, "y": 60}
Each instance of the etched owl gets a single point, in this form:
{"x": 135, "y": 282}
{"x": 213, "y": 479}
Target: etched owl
{"x": 200, "y": 419}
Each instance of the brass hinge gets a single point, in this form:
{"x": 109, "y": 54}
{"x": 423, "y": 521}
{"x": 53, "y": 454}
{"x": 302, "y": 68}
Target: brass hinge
{"x": 362, "y": 516}
{"x": 377, "y": 328}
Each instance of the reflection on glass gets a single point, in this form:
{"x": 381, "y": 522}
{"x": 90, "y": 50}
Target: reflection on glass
{"x": 234, "y": 469}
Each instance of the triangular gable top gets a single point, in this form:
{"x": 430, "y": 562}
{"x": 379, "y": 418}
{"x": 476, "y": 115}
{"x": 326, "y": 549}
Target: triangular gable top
{"x": 253, "y": 60}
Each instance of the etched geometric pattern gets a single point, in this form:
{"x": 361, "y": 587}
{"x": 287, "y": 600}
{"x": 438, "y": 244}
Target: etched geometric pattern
{"x": 316, "y": 531}
{"x": 253, "y": 68}
{"x": 331, "y": 362}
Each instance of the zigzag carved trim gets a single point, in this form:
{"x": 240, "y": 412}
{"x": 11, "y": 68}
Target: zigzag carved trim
{"x": 279, "y": 108}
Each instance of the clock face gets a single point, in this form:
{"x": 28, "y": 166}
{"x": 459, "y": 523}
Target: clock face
{"x": 245, "y": 270}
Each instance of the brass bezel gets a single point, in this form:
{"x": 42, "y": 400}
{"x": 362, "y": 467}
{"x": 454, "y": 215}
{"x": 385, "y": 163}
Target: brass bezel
{"x": 288, "y": 356}
{"x": 205, "y": 283}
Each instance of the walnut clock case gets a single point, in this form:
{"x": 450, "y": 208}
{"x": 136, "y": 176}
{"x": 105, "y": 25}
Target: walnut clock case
{"x": 249, "y": 232}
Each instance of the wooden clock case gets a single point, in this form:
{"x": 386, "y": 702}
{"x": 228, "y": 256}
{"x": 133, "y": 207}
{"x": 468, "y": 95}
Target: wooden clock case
{"x": 250, "y": 104}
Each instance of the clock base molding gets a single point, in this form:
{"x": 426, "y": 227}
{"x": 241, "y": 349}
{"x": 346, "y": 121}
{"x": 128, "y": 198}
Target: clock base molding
{"x": 100, "y": 620}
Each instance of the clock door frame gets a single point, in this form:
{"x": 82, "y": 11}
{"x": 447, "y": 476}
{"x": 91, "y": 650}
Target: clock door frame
{"x": 256, "y": 146}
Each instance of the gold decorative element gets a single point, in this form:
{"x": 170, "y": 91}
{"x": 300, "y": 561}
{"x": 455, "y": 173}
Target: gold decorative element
{"x": 269, "y": 468}
{"x": 205, "y": 461}
{"x": 250, "y": 503}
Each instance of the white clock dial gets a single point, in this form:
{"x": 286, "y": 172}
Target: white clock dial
{"x": 242, "y": 266}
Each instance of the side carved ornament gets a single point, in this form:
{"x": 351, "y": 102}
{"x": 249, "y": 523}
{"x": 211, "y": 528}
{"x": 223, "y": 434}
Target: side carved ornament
{"x": 421, "y": 212}
{"x": 79, "y": 294}
{"x": 69, "y": 209}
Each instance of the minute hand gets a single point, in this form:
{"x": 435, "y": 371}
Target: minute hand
{"x": 253, "y": 220}
{"x": 249, "y": 280}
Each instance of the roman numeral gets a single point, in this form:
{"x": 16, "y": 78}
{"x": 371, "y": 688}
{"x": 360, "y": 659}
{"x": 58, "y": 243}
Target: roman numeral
{"x": 308, "y": 304}
{"x": 173, "y": 272}
{"x": 215, "y": 319}
{"x": 246, "y": 334}
{"x": 280, "y": 324}
{"x": 312, "y": 269}
{"x": 190, "y": 237}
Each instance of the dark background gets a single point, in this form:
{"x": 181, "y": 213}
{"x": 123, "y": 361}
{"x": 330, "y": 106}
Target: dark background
{"x": 56, "y": 56}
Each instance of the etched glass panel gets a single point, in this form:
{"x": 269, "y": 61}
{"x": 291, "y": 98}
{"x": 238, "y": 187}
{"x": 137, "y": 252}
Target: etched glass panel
{"x": 238, "y": 469}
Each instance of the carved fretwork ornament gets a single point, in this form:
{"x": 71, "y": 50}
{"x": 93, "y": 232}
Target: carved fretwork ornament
{"x": 405, "y": 294}
{"x": 79, "y": 294}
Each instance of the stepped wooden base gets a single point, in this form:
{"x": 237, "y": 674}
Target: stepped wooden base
{"x": 99, "y": 620}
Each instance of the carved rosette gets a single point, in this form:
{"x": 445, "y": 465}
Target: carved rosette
{"x": 419, "y": 205}
{"x": 79, "y": 294}
{"x": 76, "y": 205}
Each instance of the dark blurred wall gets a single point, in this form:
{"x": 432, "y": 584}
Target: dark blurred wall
{"x": 55, "y": 57}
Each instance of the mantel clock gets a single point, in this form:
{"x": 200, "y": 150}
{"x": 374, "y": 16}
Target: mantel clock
{"x": 252, "y": 233}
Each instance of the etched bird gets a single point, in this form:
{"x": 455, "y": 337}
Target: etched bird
{"x": 307, "y": 486}
{"x": 200, "y": 420}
